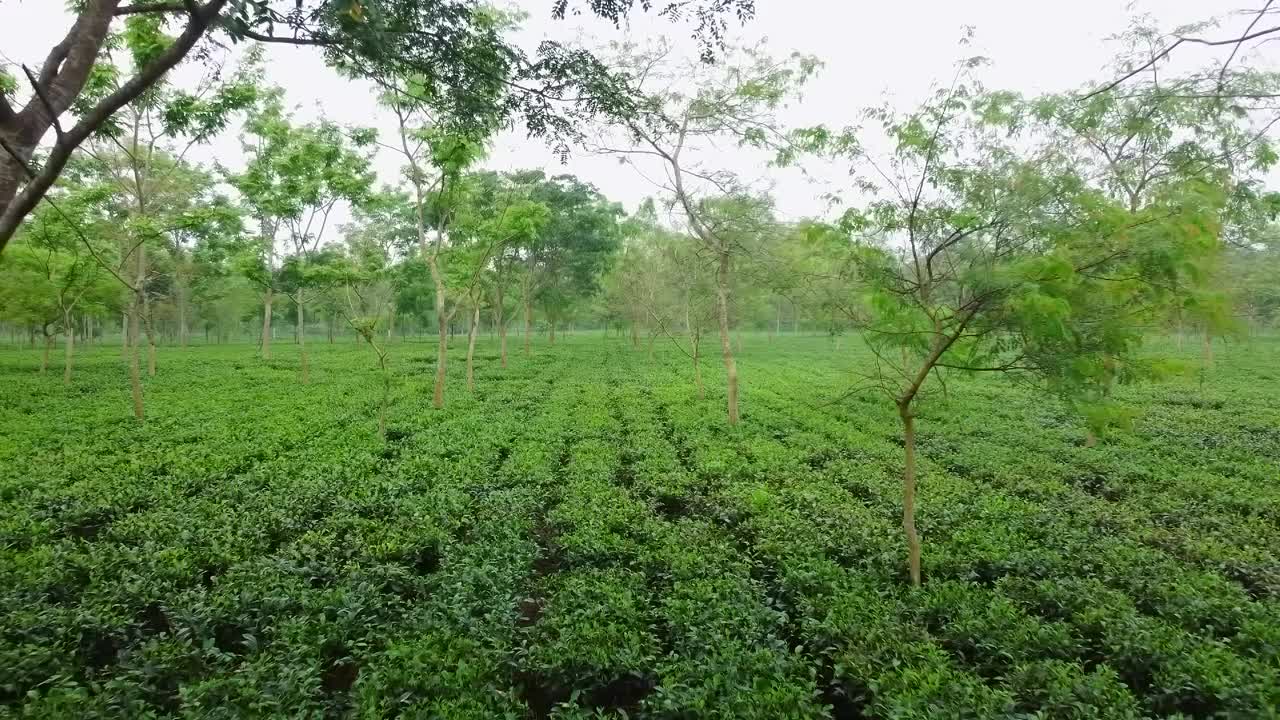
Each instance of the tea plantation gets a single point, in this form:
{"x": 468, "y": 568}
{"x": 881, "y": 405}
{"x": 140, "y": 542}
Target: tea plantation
{"x": 583, "y": 537}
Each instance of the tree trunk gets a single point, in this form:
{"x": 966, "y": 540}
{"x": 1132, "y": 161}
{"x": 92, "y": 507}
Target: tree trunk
{"x": 635, "y": 336}
{"x": 302, "y": 338}
{"x": 44, "y": 357}
{"x": 795, "y": 319}
{"x": 726, "y": 347}
{"x": 653, "y": 335}
{"x": 502, "y": 326}
{"x": 181, "y": 292}
{"x": 528, "y": 322}
{"x": 1206, "y": 348}
{"x": 909, "y": 491}
{"x": 391, "y": 323}
{"x": 386, "y": 393}
{"x": 149, "y": 325}
{"x": 68, "y": 354}
{"x": 135, "y": 372}
{"x": 266, "y": 324}
{"x": 551, "y": 323}
{"x": 471, "y": 348}
{"x": 442, "y": 345}
{"x": 697, "y": 367}
{"x": 777, "y": 322}
{"x": 125, "y": 340}
{"x": 71, "y": 62}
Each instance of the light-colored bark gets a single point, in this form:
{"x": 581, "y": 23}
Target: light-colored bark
{"x": 267, "y": 297}
{"x": 528, "y": 323}
{"x": 302, "y": 338}
{"x": 697, "y": 367}
{"x": 68, "y": 354}
{"x": 471, "y": 348}
{"x": 149, "y": 325}
{"x": 180, "y": 297}
{"x": 501, "y": 323}
{"x": 135, "y": 371}
{"x": 726, "y": 347}
{"x": 909, "y": 491}
{"x": 442, "y": 344}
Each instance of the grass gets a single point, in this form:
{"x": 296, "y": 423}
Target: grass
{"x": 583, "y": 538}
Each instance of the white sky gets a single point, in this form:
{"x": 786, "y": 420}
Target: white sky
{"x": 871, "y": 48}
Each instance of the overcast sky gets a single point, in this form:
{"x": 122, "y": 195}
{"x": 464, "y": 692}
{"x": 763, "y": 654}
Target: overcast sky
{"x": 871, "y": 49}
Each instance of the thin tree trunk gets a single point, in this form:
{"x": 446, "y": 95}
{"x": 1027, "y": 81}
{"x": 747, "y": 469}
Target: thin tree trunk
{"x": 135, "y": 372}
{"x": 266, "y": 324}
{"x": 528, "y": 322}
{"x": 726, "y": 347}
{"x": 471, "y": 348}
{"x": 1206, "y": 348}
{"x": 442, "y": 345}
{"x": 502, "y": 326}
{"x": 697, "y": 367}
{"x": 125, "y": 340}
{"x": 149, "y": 326}
{"x": 68, "y": 354}
{"x": 909, "y": 491}
{"x": 302, "y": 338}
{"x": 181, "y": 291}
{"x": 386, "y": 393}
{"x": 44, "y": 357}
{"x": 551, "y": 321}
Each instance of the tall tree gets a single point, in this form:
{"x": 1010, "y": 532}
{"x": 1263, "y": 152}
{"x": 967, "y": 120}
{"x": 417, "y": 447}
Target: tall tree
{"x": 688, "y": 108}
{"x": 436, "y": 152}
{"x": 294, "y": 178}
{"x": 984, "y": 251}
{"x": 455, "y": 44}
{"x": 563, "y": 260}
{"x": 50, "y": 275}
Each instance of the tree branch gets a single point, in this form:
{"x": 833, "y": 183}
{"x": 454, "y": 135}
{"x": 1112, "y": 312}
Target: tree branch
{"x": 36, "y": 188}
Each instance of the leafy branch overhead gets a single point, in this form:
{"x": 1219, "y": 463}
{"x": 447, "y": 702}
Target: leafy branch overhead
{"x": 458, "y": 50}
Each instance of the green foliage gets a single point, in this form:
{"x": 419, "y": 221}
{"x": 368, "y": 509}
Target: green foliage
{"x": 599, "y": 544}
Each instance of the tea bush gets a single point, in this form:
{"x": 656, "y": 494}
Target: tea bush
{"x": 583, "y": 538}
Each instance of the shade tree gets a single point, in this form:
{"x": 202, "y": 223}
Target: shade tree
{"x": 462, "y": 49}
{"x": 981, "y": 250}
{"x": 293, "y": 179}
{"x": 686, "y": 109}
